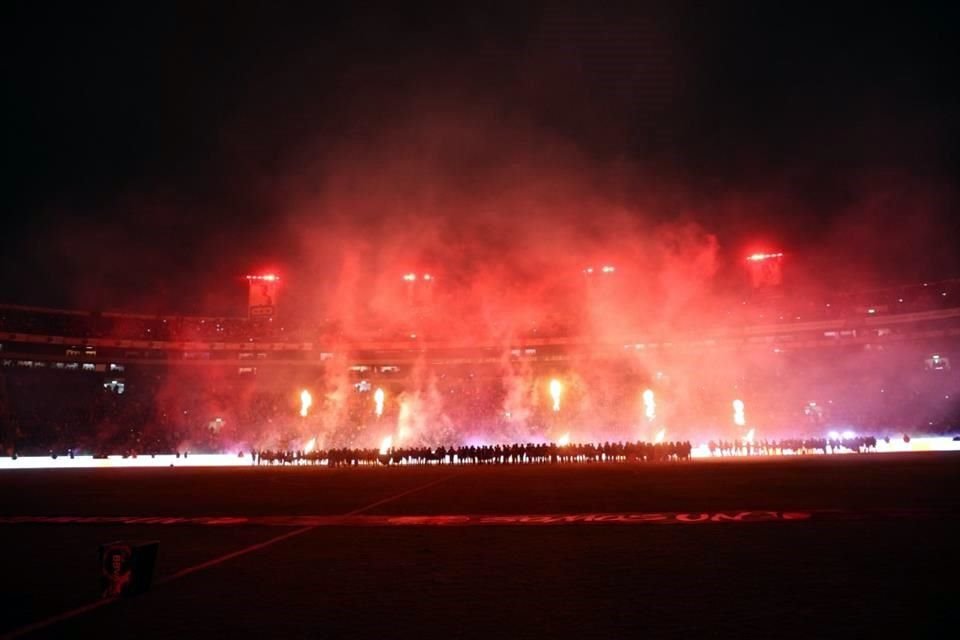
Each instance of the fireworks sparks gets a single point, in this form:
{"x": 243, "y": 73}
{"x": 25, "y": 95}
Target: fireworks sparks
{"x": 310, "y": 446}
{"x": 749, "y": 437}
{"x": 739, "y": 418}
{"x": 556, "y": 390}
{"x": 563, "y": 440}
{"x": 386, "y": 444}
{"x": 378, "y": 399}
{"x": 660, "y": 436}
{"x": 306, "y": 401}
{"x": 649, "y": 405}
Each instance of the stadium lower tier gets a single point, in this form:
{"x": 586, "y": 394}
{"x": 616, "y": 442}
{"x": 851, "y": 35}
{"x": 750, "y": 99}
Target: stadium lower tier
{"x": 696, "y": 396}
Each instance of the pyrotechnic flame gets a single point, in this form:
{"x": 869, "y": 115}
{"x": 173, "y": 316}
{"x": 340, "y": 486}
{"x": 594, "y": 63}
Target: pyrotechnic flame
{"x": 378, "y": 398}
{"x": 385, "y": 444}
{"x": 306, "y": 400}
{"x": 749, "y": 437}
{"x": 310, "y": 446}
{"x": 660, "y": 436}
{"x": 649, "y": 405}
{"x": 739, "y": 418}
{"x": 563, "y": 440}
{"x": 555, "y": 390}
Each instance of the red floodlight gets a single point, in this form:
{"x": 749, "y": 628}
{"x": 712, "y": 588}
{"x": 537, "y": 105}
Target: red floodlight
{"x": 604, "y": 269}
{"x": 759, "y": 257}
{"x": 266, "y": 277}
{"x": 766, "y": 269}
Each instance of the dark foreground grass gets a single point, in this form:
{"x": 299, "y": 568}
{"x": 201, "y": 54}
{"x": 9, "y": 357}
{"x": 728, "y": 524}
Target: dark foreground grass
{"x": 787, "y": 579}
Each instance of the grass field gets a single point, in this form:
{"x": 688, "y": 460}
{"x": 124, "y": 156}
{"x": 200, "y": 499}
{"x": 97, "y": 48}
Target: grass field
{"x": 876, "y": 551}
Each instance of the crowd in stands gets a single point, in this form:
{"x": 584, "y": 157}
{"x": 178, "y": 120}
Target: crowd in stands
{"x": 852, "y": 304}
{"x": 771, "y": 310}
{"x": 57, "y": 413}
{"x": 47, "y": 412}
{"x": 152, "y": 408}
{"x": 53, "y": 412}
{"x": 75, "y": 324}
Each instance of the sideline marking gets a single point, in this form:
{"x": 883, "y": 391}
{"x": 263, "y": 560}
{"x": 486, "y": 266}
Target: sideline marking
{"x": 399, "y": 495}
{"x": 73, "y": 613}
{"x": 234, "y": 554}
{"x": 66, "y": 615}
{"x": 353, "y": 519}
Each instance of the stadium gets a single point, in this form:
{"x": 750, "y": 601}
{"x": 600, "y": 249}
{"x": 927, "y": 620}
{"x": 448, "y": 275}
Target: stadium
{"x": 874, "y": 362}
{"x": 421, "y": 433}
{"x": 480, "y": 320}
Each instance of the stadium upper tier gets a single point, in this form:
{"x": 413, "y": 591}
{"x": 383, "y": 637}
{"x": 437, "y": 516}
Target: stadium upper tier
{"x": 874, "y": 313}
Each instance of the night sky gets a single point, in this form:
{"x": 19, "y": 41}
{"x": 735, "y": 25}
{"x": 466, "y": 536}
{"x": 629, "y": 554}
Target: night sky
{"x": 172, "y": 149}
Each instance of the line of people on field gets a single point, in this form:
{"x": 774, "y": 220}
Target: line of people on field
{"x": 542, "y": 453}
{"x": 859, "y": 444}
